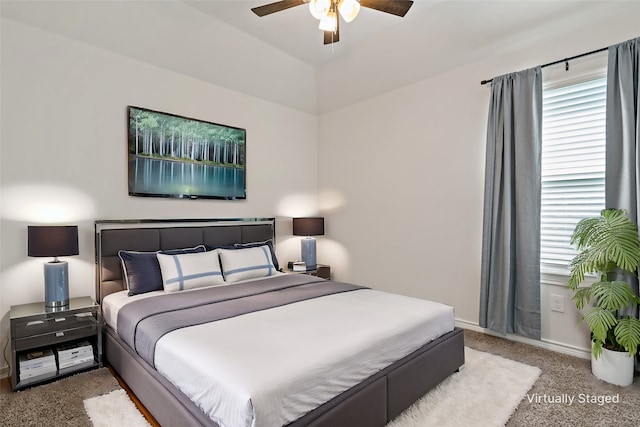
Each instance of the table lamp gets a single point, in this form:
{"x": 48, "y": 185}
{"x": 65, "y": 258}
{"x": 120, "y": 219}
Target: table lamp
{"x": 54, "y": 241}
{"x": 308, "y": 227}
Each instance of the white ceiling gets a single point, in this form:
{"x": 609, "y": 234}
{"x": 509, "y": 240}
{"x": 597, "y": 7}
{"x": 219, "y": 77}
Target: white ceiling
{"x": 281, "y": 58}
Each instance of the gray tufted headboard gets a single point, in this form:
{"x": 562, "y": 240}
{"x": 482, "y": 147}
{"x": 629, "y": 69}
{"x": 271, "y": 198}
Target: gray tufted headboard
{"x": 154, "y": 235}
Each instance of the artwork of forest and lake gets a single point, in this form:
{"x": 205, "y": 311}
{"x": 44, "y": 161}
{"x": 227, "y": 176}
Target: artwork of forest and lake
{"x": 174, "y": 156}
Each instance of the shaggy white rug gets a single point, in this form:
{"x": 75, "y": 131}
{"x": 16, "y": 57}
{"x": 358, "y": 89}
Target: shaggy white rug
{"x": 114, "y": 409}
{"x": 484, "y": 394}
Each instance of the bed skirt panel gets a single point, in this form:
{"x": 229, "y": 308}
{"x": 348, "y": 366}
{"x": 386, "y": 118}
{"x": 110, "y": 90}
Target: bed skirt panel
{"x": 416, "y": 375}
{"x": 366, "y": 408}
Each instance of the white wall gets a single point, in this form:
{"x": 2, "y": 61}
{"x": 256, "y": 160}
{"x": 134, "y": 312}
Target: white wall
{"x": 401, "y": 180}
{"x": 64, "y": 153}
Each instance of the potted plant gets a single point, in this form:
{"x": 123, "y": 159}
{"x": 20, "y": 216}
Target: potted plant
{"x": 608, "y": 244}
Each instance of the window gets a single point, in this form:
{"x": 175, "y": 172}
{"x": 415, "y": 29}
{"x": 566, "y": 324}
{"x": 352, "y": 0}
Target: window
{"x": 573, "y": 166}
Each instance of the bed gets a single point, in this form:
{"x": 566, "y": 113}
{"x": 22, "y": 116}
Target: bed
{"x": 252, "y": 370}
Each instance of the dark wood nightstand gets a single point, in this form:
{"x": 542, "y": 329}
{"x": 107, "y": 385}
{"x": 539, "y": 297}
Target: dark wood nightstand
{"x": 323, "y": 271}
{"x": 36, "y": 328}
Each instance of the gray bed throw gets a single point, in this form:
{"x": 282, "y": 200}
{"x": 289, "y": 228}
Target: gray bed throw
{"x": 143, "y": 322}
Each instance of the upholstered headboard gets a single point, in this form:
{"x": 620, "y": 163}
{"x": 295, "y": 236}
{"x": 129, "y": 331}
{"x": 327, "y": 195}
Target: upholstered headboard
{"x": 154, "y": 235}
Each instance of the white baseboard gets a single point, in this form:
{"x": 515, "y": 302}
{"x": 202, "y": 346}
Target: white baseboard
{"x": 546, "y": 344}
{"x": 4, "y": 371}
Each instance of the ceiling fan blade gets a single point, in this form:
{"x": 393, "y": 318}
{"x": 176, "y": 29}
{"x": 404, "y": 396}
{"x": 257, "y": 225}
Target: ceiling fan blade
{"x": 331, "y": 37}
{"x": 395, "y": 7}
{"x": 270, "y": 8}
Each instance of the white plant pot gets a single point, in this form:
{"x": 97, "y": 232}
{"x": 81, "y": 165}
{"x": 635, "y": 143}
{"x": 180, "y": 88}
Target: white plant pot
{"x": 615, "y": 367}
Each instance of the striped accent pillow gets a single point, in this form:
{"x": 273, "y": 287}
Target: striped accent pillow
{"x": 190, "y": 271}
{"x": 243, "y": 264}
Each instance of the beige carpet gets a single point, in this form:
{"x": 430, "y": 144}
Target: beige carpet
{"x": 563, "y": 375}
{"x": 55, "y": 404}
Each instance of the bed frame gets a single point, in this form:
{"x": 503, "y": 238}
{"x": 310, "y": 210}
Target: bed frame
{"x": 374, "y": 402}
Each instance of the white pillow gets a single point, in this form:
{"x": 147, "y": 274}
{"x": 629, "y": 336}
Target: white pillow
{"x": 190, "y": 271}
{"x": 243, "y": 264}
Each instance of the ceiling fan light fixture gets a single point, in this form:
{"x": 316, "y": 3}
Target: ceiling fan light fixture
{"x": 329, "y": 22}
{"x": 329, "y": 11}
{"x": 349, "y": 9}
{"x": 319, "y": 8}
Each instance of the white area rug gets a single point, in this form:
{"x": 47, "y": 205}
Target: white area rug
{"x": 114, "y": 409}
{"x": 484, "y": 394}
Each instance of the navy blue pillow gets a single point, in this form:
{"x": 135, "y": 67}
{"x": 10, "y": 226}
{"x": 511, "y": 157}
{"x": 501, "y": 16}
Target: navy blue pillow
{"x": 142, "y": 270}
{"x": 256, "y": 244}
{"x": 214, "y": 247}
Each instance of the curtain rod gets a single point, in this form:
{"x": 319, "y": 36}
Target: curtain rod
{"x": 566, "y": 60}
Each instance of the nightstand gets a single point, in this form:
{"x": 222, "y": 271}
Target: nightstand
{"x": 36, "y": 328}
{"x": 323, "y": 271}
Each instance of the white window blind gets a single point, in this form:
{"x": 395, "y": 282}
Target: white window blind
{"x": 573, "y": 166}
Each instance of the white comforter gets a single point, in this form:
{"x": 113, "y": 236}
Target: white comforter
{"x": 270, "y": 367}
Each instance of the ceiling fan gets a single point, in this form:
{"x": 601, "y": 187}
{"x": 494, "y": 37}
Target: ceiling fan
{"x": 327, "y": 11}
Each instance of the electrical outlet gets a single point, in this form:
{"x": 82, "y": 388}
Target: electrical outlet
{"x": 557, "y": 303}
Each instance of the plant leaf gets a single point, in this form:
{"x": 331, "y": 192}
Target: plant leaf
{"x": 582, "y": 297}
{"x": 611, "y": 238}
{"x": 628, "y": 334}
{"x": 613, "y": 295}
{"x": 597, "y": 349}
{"x": 599, "y": 321}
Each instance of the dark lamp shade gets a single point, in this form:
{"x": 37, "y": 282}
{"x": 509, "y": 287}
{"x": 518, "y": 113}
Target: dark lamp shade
{"x": 52, "y": 241}
{"x": 308, "y": 226}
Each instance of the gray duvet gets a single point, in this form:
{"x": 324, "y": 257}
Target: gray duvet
{"x": 142, "y": 323}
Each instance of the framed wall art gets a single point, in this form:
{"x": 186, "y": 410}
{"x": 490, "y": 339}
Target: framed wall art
{"x": 180, "y": 157}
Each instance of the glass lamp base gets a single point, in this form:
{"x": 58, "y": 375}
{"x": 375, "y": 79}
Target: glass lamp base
{"x": 308, "y": 252}
{"x": 56, "y": 284}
